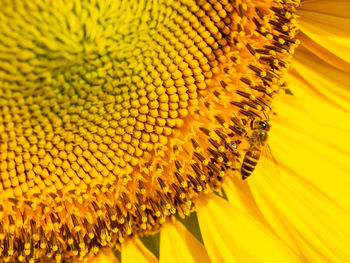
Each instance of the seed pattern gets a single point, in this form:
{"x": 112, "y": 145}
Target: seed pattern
{"x": 115, "y": 115}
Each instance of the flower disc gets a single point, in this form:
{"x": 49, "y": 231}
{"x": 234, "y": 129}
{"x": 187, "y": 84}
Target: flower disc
{"x": 117, "y": 114}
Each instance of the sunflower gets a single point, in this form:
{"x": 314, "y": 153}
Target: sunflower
{"x": 148, "y": 131}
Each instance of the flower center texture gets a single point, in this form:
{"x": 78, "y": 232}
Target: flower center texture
{"x": 115, "y": 115}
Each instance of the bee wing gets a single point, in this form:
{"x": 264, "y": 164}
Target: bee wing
{"x": 269, "y": 160}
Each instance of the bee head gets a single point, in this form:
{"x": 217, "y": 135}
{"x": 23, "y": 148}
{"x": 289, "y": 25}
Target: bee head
{"x": 260, "y": 125}
{"x": 264, "y": 125}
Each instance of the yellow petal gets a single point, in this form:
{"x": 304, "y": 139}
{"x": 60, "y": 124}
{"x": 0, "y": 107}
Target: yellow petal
{"x": 311, "y": 139}
{"x": 230, "y": 235}
{"x": 335, "y": 7}
{"x": 319, "y": 160}
{"x": 315, "y": 223}
{"x": 329, "y": 31}
{"x": 307, "y": 194}
{"x": 329, "y": 131}
{"x": 322, "y": 52}
{"x": 323, "y": 79}
{"x": 311, "y": 107}
{"x": 177, "y": 244}
{"x": 105, "y": 255}
{"x": 133, "y": 251}
{"x": 238, "y": 193}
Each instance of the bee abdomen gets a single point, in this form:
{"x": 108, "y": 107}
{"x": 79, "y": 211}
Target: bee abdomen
{"x": 249, "y": 162}
{"x": 253, "y": 153}
{"x": 252, "y": 162}
{"x": 246, "y": 169}
{"x": 245, "y": 174}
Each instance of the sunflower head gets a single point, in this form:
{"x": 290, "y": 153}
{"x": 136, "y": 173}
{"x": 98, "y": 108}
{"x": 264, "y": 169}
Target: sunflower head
{"x": 115, "y": 115}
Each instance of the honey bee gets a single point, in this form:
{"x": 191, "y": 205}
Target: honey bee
{"x": 257, "y": 139}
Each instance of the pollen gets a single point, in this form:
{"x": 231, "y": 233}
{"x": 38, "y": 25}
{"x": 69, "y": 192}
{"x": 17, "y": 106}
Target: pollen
{"x": 115, "y": 115}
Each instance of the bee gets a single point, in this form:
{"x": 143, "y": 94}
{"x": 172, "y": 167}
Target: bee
{"x": 257, "y": 139}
